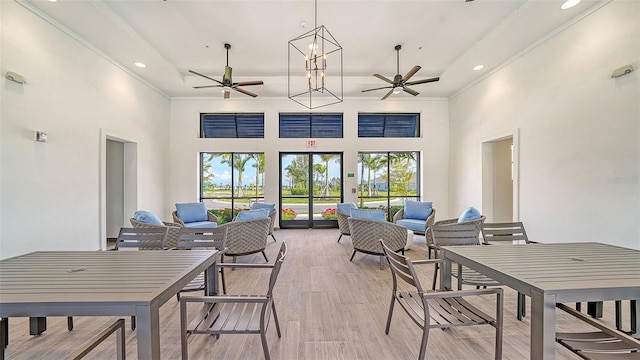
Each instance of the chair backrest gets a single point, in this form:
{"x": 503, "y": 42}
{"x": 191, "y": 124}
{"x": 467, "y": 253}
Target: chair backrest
{"x": 153, "y": 238}
{"x": 455, "y": 234}
{"x": 401, "y": 268}
{"x": 202, "y": 238}
{"x": 504, "y": 232}
{"x": 282, "y": 253}
{"x": 247, "y": 237}
{"x": 365, "y": 234}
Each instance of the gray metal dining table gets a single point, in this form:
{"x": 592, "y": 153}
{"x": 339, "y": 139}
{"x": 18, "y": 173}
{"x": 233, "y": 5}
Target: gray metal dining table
{"x": 102, "y": 283}
{"x": 550, "y": 274}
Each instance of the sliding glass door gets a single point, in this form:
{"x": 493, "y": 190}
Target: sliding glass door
{"x": 310, "y": 188}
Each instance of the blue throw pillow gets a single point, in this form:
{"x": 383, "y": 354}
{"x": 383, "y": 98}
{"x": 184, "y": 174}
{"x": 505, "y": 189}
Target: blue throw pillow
{"x": 252, "y": 214}
{"x": 469, "y": 214}
{"x": 191, "y": 212}
{"x": 258, "y": 205}
{"x": 345, "y": 208}
{"x": 377, "y": 215}
{"x": 147, "y": 217}
{"x": 419, "y": 210}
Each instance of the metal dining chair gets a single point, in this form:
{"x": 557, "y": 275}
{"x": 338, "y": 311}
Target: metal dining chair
{"x": 232, "y": 314}
{"x": 438, "y": 309}
{"x": 202, "y": 238}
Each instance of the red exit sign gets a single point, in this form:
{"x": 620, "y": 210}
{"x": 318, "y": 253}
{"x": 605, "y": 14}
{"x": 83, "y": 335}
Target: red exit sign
{"x": 311, "y": 143}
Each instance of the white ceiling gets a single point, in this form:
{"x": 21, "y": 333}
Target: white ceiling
{"x": 446, "y": 37}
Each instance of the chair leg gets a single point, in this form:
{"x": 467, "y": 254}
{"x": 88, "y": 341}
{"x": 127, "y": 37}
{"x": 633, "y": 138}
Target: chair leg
{"x": 178, "y": 296}
{"x": 618, "y": 307}
{"x": 275, "y": 317}
{"x": 133, "y": 323}
{"x": 522, "y": 308}
{"x": 423, "y": 345}
{"x": 340, "y": 237}
{"x": 4, "y": 333}
{"x": 69, "y": 323}
{"x": 381, "y": 264}
{"x": 386, "y": 329}
{"x": 435, "y": 277}
{"x": 352, "y": 255}
{"x": 274, "y": 238}
{"x": 224, "y": 284}
{"x": 266, "y": 259}
{"x": 265, "y": 348}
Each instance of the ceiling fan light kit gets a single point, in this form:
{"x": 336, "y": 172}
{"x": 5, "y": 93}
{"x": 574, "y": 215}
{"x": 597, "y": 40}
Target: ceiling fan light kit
{"x": 319, "y": 82}
{"x": 227, "y": 83}
{"x": 400, "y": 83}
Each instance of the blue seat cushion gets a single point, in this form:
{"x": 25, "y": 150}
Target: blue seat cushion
{"x": 345, "y": 208}
{"x": 413, "y": 225}
{"x": 201, "y": 224}
{"x": 368, "y": 214}
{"x": 469, "y": 214}
{"x": 252, "y": 214}
{"x": 147, "y": 217}
{"x": 419, "y": 210}
{"x": 191, "y": 212}
{"x": 258, "y": 205}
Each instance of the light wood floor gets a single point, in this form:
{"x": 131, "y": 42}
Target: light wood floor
{"x": 329, "y": 308}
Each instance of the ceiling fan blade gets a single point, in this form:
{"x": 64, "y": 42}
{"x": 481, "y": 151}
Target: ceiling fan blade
{"x": 206, "y": 86}
{"x": 248, "y": 83}
{"x": 205, "y": 76}
{"x": 387, "y": 94}
{"x": 226, "y": 94}
{"x": 383, "y": 78}
{"x": 245, "y": 92}
{"x": 422, "y": 81}
{"x": 380, "y": 88}
{"x": 410, "y": 91}
{"x": 411, "y": 72}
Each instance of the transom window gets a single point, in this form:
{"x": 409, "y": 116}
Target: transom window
{"x": 310, "y": 125}
{"x": 388, "y": 125}
{"x": 232, "y": 125}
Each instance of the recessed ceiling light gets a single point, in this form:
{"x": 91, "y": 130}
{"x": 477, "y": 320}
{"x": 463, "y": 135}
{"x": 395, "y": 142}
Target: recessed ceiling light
{"x": 478, "y": 67}
{"x": 139, "y": 64}
{"x": 569, "y": 4}
{"x": 53, "y": 0}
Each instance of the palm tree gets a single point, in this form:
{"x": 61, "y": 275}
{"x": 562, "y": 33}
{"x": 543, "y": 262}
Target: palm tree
{"x": 207, "y": 171}
{"x": 326, "y": 158}
{"x": 298, "y": 170}
{"x": 238, "y": 162}
{"x": 259, "y": 166}
{"x": 319, "y": 170}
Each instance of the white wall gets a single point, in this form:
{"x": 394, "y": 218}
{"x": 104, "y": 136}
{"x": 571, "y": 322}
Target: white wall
{"x": 579, "y": 131}
{"x": 50, "y": 191}
{"x": 186, "y": 146}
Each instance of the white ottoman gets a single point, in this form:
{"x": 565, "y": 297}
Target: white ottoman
{"x": 409, "y": 239}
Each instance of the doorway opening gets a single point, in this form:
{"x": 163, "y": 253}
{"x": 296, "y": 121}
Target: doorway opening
{"x": 310, "y": 189}
{"x": 118, "y": 184}
{"x": 500, "y": 177}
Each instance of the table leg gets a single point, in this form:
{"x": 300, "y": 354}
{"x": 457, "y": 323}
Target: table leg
{"x": 445, "y": 273}
{"x": 148, "y": 332}
{"x": 37, "y": 325}
{"x": 543, "y": 326}
{"x": 211, "y": 280}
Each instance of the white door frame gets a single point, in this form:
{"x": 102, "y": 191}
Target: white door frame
{"x": 487, "y": 172}
{"x": 130, "y": 173}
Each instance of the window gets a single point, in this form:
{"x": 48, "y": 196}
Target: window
{"x": 386, "y": 179}
{"x": 232, "y": 125}
{"x": 388, "y": 125}
{"x": 311, "y": 125}
{"x": 230, "y": 182}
